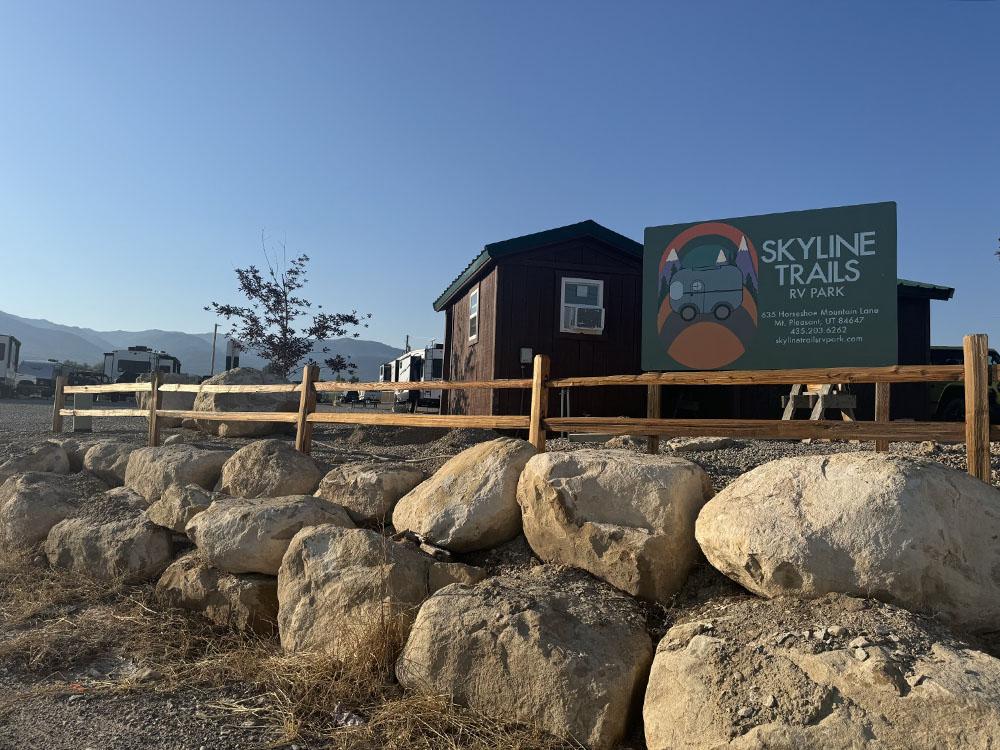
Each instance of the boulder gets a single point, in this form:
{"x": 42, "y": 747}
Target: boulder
{"x": 223, "y": 402}
{"x": 107, "y": 460}
{"x": 625, "y": 517}
{"x": 626, "y": 441}
{"x": 344, "y": 591}
{"x": 907, "y": 531}
{"x": 178, "y": 505}
{"x": 241, "y": 535}
{"x": 47, "y": 457}
{"x": 133, "y": 548}
{"x": 151, "y": 470}
{"x": 370, "y": 490}
{"x": 168, "y": 400}
{"x": 549, "y": 647}
{"x": 75, "y": 448}
{"x": 244, "y": 602}
{"x": 470, "y": 503}
{"x": 269, "y": 468}
{"x": 30, "y": 505}
{"x": 695, "y": 444}
{"x": 835, "y": 673}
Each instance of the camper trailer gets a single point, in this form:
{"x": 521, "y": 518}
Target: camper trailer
{"x": 125, "y": 365}
{"x": 416, "y": 366}
{"x": 10, "y": 350}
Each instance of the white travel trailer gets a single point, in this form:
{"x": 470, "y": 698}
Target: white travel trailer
{"x": 125, "y": 365}
{"x": 416, "y": 366}
{"x": 10, "y": 351}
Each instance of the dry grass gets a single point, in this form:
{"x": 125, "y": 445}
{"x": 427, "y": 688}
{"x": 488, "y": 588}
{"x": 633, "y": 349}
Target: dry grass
{"x": 54, "y": 623}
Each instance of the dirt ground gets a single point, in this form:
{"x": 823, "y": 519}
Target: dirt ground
{"x": 82, "y": 666}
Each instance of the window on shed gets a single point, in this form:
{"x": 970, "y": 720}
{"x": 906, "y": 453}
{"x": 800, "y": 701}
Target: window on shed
{"x": 582, "y": 306}
{"x": 474, "y": 314}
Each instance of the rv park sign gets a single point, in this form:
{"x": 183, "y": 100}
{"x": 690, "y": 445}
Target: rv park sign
{"x": 801, "y": 289}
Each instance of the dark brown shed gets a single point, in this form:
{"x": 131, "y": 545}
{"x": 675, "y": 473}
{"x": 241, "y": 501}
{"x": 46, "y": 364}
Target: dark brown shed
{"x": 573, "y": 293}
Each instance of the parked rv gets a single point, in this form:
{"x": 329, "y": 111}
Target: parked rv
{"x": 10, "y": 350}
{"x": 125, "y": 365}
{"x": 947, "y": 400}
{"x": 416, "y": 366}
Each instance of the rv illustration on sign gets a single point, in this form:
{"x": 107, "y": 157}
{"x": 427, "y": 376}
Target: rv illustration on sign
{"x": 716, "y": 289}
{"x": 707, "y": 293}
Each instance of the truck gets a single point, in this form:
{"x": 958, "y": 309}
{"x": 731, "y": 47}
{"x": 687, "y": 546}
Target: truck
{"x": 415, "y": 366}
{"x": 10, "y": 351}
{"x": 125, "y": 365}
{"x": 947, "y": 400}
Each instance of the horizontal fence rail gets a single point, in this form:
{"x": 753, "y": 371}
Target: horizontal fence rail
{"x": 976, "y": 375}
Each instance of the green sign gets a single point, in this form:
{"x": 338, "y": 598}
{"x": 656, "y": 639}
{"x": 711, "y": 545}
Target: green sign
{"x": 800, "y": 289}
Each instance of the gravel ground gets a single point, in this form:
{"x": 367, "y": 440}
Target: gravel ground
{"x": 59, "y": 712}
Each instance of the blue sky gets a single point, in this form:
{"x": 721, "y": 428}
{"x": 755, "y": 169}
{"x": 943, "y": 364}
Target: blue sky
{"x": 143, "y": 148}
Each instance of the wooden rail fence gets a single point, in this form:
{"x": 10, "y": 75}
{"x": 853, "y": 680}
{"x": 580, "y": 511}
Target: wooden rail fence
{"x": 976, "y": 375}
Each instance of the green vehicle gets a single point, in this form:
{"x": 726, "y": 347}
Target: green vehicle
{"x": 947, "y": 400}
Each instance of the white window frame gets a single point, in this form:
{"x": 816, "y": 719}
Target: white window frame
{"x": 474, "y": 315}
{"x": 566, "y": 280}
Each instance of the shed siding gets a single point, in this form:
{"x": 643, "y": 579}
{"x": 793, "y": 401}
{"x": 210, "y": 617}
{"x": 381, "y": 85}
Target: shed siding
{"x": 468, "y": 360}
{"x": 530, "y": 308}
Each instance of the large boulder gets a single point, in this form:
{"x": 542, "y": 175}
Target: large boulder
{"x": 171, "y": 401}
{"x": 47, "y": 457}
{"x": 369, "y": 490}
{"x": 178, "y": 505}
{"x": 76, "y": 448}
{"x": 151, "y": 471}
{"x": 835, "y": 673}
{"x": 244, "y": 602}
{"x": 342, "y": 590}
{"x": 223, "y": 402}
{"x": 912, "y": 532}
{"x": 131, "y": 548}
{"x": 626, "y": 517}
{"x": 241, "y": 535}
{"x": 470, "y": 503}
{"x": 30, "y": 505}
{"x": 549, "y": 647}
{"x": 269, "y": 468}
{"x": 108, "y": 460}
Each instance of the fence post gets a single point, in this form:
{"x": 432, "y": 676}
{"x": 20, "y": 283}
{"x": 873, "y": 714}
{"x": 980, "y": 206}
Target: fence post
{"x": 653, "y": 412}
{"x": 58, "y": 400}
{"x": 539, "y": 402}
{"x": 977, "y": 405}
{"x": 307, "y": 405}
{"x": 882, "y": 413}
{"x": 155, "y": 399}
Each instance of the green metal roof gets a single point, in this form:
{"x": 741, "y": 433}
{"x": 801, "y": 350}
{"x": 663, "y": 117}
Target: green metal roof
{"x": 932, "y": 291}
{"x": 588, "y": 228}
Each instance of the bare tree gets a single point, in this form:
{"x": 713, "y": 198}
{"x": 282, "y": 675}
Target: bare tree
{"x": 278, "y": 324}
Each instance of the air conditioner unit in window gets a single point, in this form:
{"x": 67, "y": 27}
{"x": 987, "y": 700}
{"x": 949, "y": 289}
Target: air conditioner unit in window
{"x": 583, "y": 318}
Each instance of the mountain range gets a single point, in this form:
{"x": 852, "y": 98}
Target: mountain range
{"x": 43, "y": 339}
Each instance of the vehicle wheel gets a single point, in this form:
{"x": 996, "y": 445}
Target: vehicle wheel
{"x": 722, "y": 311}
{"x": 954, "y": 410}
{"x": 688, "y": 312}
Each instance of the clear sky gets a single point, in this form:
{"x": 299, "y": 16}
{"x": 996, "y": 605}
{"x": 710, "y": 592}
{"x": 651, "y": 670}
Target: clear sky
{"x": 144, "y": 147}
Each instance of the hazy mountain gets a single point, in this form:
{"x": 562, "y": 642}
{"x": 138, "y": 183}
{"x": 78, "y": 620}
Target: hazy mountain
{"x": 43, "y": 339}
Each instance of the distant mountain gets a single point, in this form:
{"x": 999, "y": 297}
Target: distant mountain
{"x": 43, "y": 339}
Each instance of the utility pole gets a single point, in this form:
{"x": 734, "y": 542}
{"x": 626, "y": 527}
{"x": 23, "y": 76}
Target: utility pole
{"x": 215, "y": 333}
